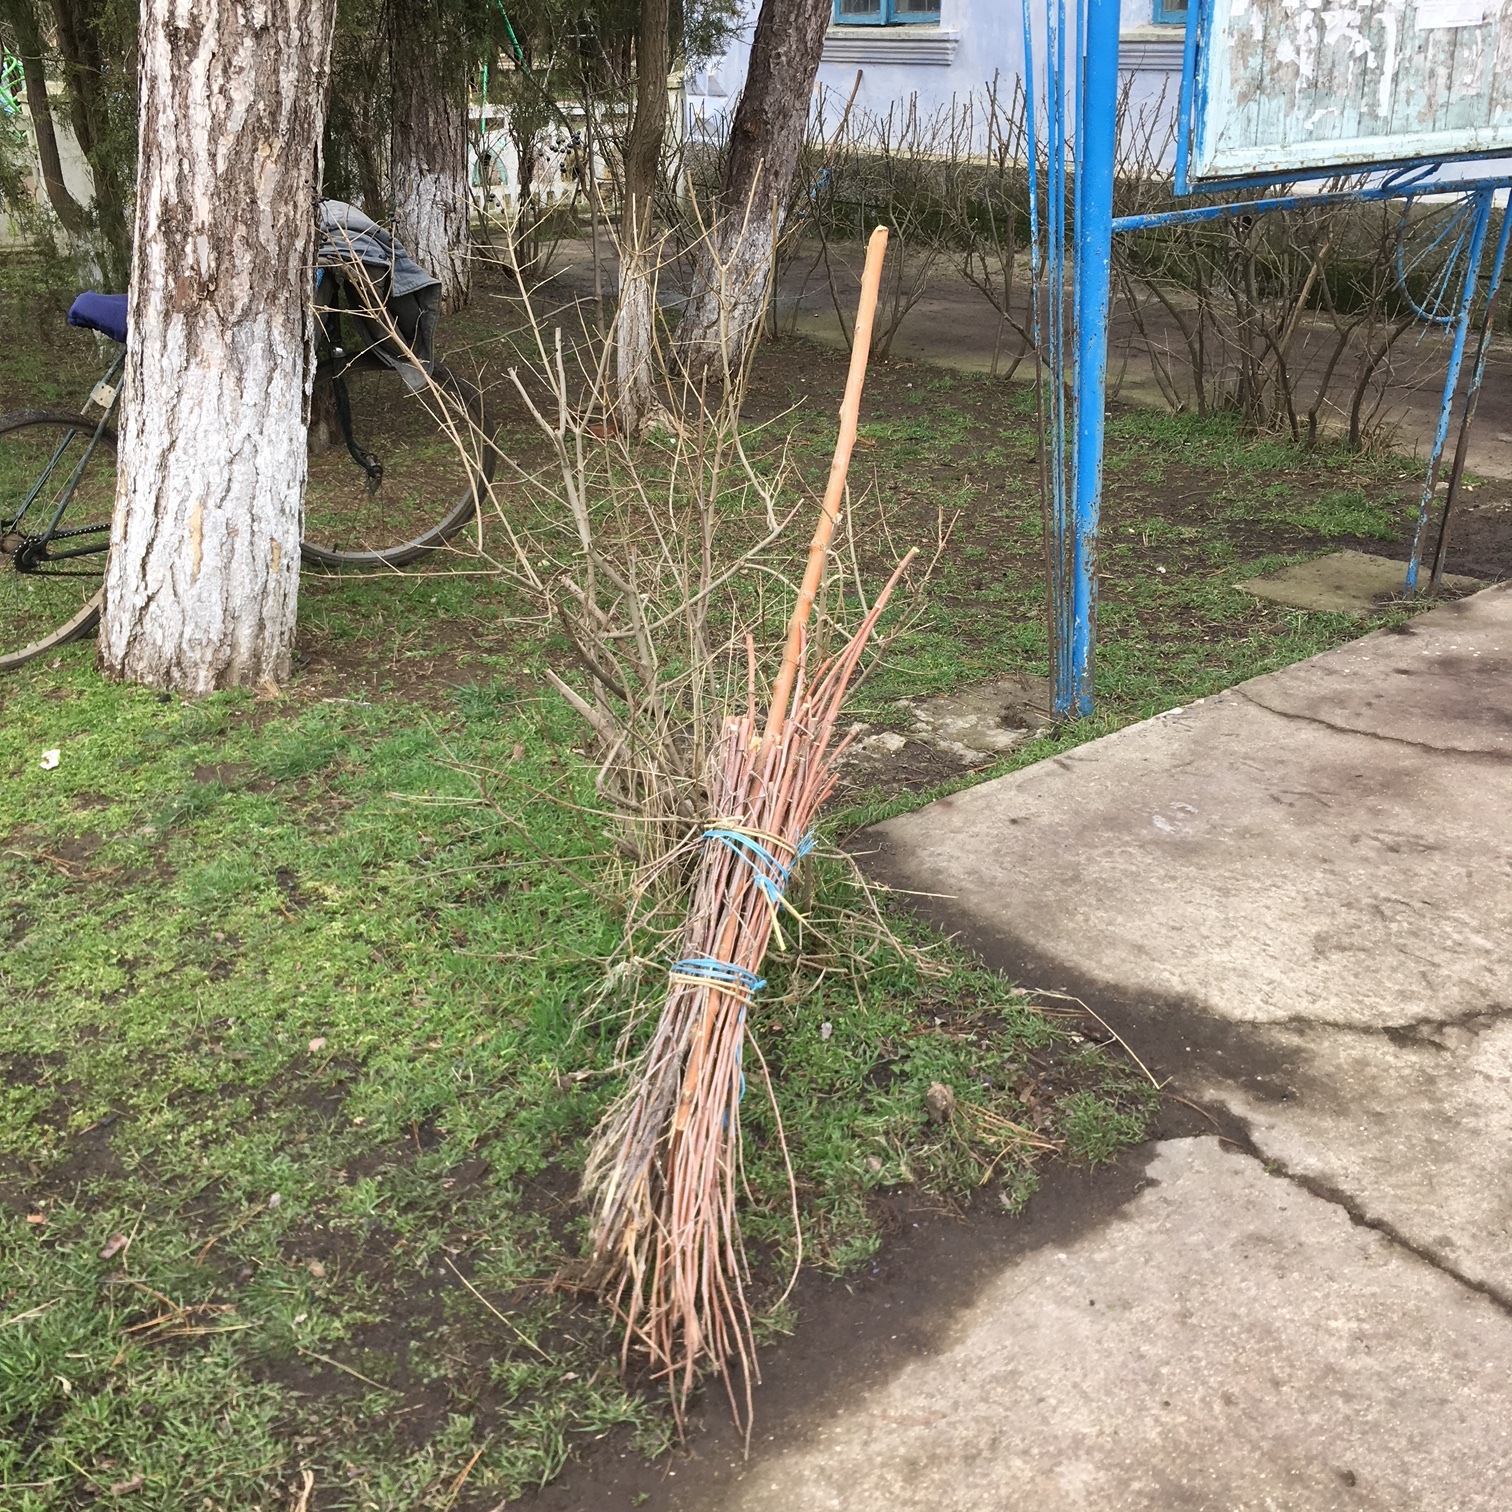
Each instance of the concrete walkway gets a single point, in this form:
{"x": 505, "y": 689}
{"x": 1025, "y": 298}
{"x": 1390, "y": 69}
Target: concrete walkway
{"x": 1297, "y": 898}
{"x": 1228, "y": 1342}
{"x": 1294, "y": 900}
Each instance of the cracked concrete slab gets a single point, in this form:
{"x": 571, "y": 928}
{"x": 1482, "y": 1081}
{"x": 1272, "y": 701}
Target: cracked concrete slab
{"x": 972, "y": 725}
{"x": 1294, "y": 900}
{"x": 1440, "y": 681}
{"x": 1254, "y": 857}
{"x": 1440, "y": 1182}
{"x": 1226, "y": 1341}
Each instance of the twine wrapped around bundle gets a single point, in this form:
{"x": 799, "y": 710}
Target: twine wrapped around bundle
{"x": 665, "y": 1162}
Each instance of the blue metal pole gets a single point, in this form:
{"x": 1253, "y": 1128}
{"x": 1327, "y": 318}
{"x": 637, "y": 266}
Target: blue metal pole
{"x": 1472, "y": 399}
{"x": 1199, "y": 213}
{"x": 1031, "y": 147}
{"x": 1031, "y": 108}
{"x": 1050, "y": 493}
{"x": 1451, "y": 384}
{"x": 1062, "y": 673}
{"x": 1096, "y": 146}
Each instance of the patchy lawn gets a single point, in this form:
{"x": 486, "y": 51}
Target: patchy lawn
{"x": 302, "y": 1028}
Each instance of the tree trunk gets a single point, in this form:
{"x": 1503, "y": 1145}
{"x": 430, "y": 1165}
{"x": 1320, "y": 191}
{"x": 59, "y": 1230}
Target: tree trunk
{"x": 635, "y": 322}
{"x": 88, "y": 82}
{"x": 429, "y": 167}
{"x": 203, "y": 574}
{"x": 730, "y": 279}
{"x": 69, "y": 211}
{"x": 72, "y": 216}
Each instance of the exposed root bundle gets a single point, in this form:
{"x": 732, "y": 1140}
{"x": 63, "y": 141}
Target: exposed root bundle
{"x": 665, "y": 1164}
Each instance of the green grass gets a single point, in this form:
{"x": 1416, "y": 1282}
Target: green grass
{"x": 289, "y": 1008}
{"x": 48, "y": 364}
{"x": 1191, "y": 506}
{"x": 321, "y": 1033}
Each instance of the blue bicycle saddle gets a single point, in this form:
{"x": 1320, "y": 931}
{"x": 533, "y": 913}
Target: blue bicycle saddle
{"x": 105, "y": 313}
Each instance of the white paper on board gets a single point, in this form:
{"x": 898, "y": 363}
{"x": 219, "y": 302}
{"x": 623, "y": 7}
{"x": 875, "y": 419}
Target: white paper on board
{"x": 1432, "y": 14}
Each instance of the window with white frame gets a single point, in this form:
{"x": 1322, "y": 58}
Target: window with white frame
{"x": 886, "y": 12}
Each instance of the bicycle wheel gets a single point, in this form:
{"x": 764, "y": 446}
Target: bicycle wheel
{"x": 57, "y": 493}
{"x": 430, "y": 489}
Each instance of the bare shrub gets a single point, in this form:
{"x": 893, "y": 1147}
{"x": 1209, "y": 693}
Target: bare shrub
{"x": 951, "y": 183}
{"x": 661, "y": 558}
{"x": 895, "y": 170}
{"x": 1293, "y": 318}
{"x": 1309, "y": 320}
{"x": 989, "y": 212}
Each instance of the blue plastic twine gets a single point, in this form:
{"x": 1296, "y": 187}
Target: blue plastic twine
{"x": 733, "y": 980}
{"x": 730, "y": 978}
{"x": 771, "y": 873}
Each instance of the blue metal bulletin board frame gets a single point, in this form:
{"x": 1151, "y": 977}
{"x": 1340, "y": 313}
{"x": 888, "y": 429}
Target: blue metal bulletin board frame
{"x": 1415, "y": 79}
{"x": 1080, "y": 105}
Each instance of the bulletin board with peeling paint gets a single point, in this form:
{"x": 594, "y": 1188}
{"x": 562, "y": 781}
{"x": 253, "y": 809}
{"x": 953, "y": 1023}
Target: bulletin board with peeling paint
{"x": 1288, "y": 88}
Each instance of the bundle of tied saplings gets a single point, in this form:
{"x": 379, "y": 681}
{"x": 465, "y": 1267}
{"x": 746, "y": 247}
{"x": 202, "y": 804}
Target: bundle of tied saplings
{"x": 665, "y": 1163}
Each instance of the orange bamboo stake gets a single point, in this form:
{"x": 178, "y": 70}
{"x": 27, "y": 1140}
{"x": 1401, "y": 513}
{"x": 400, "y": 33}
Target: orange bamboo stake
{"x": 850, "y": 414}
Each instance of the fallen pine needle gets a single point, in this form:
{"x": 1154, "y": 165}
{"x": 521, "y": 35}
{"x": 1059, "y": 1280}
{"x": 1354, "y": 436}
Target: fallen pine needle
{"x": 235, "y": 1228}
{"x": 1066, "y": 997}
{"x": 467, "y": 1469}
{"x": 1193, "y": 1106}
{"x": 337, "y": 1365}
{"x": 303, "y": 1504}
{"x": 179, "y": 1314}
{"x": 198, "y": 1332}
{"x": 31, "y": 1312}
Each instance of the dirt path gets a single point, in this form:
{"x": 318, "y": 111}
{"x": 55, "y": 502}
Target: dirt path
{"x": 953, "y": 326}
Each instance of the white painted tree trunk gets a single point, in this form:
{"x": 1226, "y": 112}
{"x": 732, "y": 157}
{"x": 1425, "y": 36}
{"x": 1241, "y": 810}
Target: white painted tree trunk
{"x": 203, "y": 577}
{"x": 432, "y": 206}
{"x": 635, "y": 339}
{"x": 731, "y": 275}
{"x": 731, "y": 282}
{"x": 431, "y": 222}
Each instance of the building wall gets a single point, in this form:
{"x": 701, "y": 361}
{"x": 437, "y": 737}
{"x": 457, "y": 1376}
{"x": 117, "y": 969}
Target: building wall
{"x": 938, "y": 67}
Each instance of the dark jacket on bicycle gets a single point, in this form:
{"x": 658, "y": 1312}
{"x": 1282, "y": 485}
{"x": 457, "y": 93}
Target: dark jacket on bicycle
{"x": 380, "y": 289}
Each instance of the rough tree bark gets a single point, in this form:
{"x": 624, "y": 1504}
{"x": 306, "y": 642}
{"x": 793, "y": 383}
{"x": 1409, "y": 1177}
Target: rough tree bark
{"x": 201, "y": 585}
{"x": 88, "y": 81}
{"x": 730, "y": 278}
{"x": 429, "y": 144}
{"x": 72, "y": 216}
{"x": 635, "y": 320}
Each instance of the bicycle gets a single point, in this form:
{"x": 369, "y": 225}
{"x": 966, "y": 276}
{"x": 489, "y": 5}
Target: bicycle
{"x": 377, "y": 312}
{"x": 57, "y": 468}
{"x": 57, "y": 494}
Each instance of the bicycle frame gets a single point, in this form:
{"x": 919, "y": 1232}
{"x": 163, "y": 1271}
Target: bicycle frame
{"x": 40, "y": 542}
{"x": 333, "y": 361}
